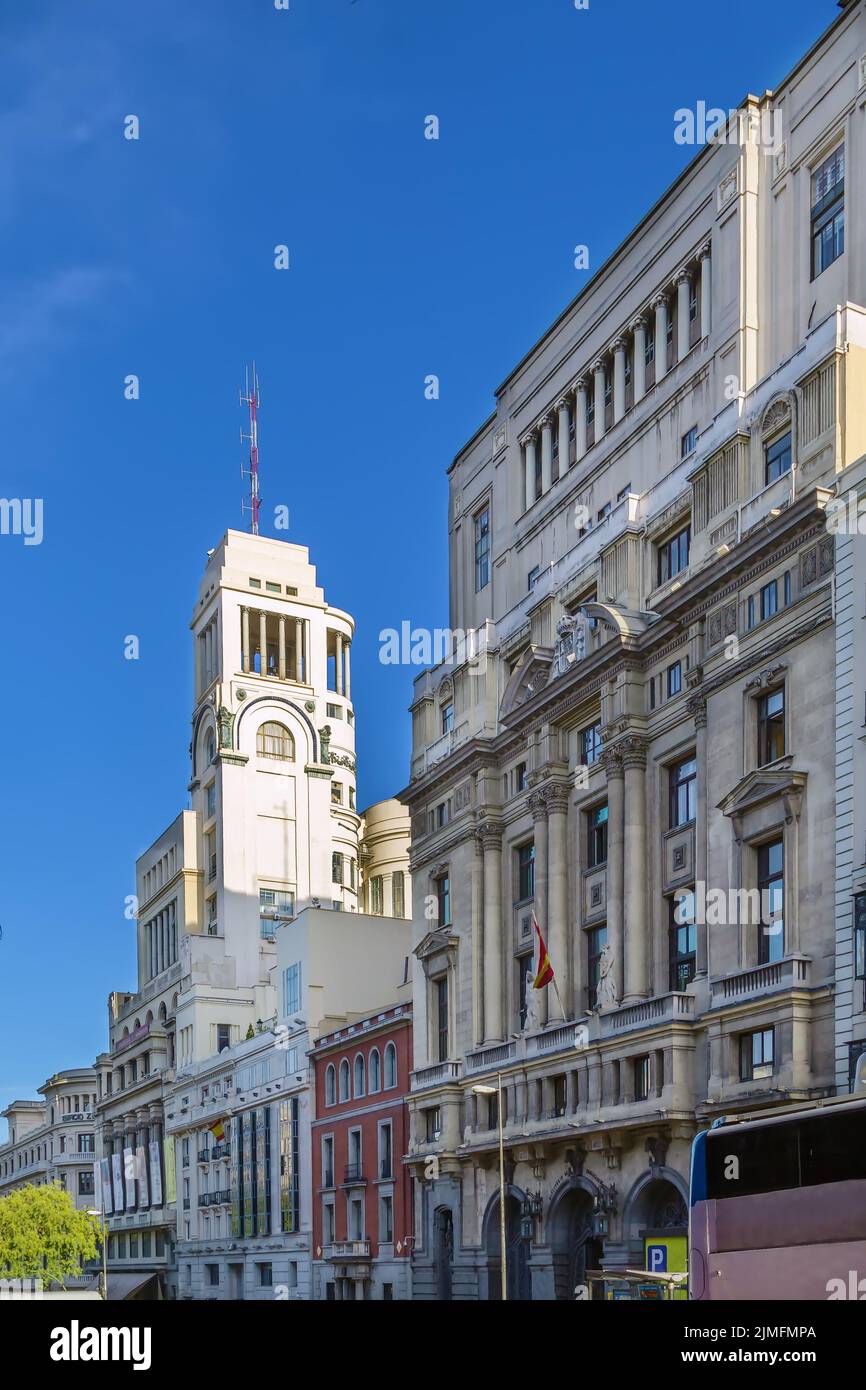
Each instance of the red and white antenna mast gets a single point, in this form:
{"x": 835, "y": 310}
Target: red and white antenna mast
{"x": 253, "y": 400}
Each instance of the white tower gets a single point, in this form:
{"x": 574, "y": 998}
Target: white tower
{"x": 273, "y": 768}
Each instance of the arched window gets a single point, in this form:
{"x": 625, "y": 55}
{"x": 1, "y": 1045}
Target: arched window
{"x": 375, "y": 1071}
{"x": 359, "y": 1075}
{"x": 162, "y": 1012}
{"x": 274, "y": 741}
{"x": 331, "y": 1084}
{"x": 390, "y": 1066}
{"x": 344, "y": 1080}
{"x": 209, "y": 746}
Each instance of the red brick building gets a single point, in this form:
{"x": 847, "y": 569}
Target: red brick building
{"x": 362, "y": 1198}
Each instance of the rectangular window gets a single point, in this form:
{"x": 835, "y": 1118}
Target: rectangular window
{"x": 328, "y": 1223}
{"x": 210, "y": 800}
{"x": 266, "y": 1275}
{"x": 532, "y": 577}
{"x": 673, "y": 555}
{"x": 828, "y": 211}
{"x": 590, "y": 744}
{"x": 377, "y": 899}
{"x": 596, "y": 939}
{"x": 683, "y": 784}
{"x": 771, "y": 885}
{"x": 641, "y": 1078}
{"x": 336, "y": 867}
{"x": 560, "y": 1096}
{"x": 604, "y": 511}
{"x": 689, "y": 441}
{"x": 769, "y": 600}
{"x": 223, "y": 1033}
{"x": 482, "y": 549}
{"x": 292, "y": 989}
{"x": 521, "y": 777}
{"x": 443, "y": 900}
{"x": 771, "y": 727}
{"x": 597, "y": 837}
{"x": 398, "y": 894}
{"x": 275, "y": 905}
{"x": 777, "y": 458}
{"x": 447, "y": 718}
{"x": 386, "y": 1150}
{"x": 757, "y": 1055}
{"x": 213, "y": 1275}
{"x": 675, "y": 679}
{"x": 682, "y": 941}
{"x": 525, "y": 872}
{"x": 433, "y": 1124}
{"x": 328, "y": 1161}
{"x": 386, "y": 1218}
{"x": 441, "y": 987}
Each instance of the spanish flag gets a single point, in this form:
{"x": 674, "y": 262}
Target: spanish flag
{"x": 218, "y": 1131}
{"x": 545, "y": 969}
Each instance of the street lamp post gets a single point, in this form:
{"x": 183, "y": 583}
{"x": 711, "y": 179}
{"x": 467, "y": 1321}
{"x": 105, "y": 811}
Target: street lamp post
{"x": 101, "y": 1214}
{"x": 496, "y": 1090}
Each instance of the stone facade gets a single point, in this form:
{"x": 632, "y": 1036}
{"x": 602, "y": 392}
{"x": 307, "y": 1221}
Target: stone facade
{"x": 639, "y": 745}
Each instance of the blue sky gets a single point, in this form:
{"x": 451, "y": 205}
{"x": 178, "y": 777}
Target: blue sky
{"x": 155, "y": 257}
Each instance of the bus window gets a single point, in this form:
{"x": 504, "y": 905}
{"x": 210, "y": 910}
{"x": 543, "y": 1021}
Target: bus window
{"x": 749, "y": 1160}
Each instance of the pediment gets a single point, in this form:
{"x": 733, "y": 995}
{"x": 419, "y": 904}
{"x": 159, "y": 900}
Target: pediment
{"x": 442, "y": 939}
{"x": 529, "y": 677}
{"x": 777, "y": 783}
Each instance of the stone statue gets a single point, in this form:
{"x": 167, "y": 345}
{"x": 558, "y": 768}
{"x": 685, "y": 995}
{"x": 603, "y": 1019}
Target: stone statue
{"x": 605, "y": 994}
{"x": 532, "y": 1022}
{"x": 325, "y": 741}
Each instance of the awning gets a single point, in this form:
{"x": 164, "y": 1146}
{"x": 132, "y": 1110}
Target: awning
{"x": 145, "y": 1287}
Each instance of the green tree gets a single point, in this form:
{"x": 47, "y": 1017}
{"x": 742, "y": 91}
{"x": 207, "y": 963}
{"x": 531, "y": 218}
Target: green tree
{"x": 43, "y": 1235}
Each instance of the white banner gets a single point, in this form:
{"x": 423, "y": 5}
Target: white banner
{"x": 97, "y": 1187}
{"x": 155, "y": 1174}
{"x": 141, "y": 1173}
{"x": 117, "y": 1173}
{"x": 107, "y": 1199}
{"x": 129, "y": 1174}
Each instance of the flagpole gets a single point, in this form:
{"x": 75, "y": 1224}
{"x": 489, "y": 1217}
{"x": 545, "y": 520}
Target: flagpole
{"x": 501, "y": 1193}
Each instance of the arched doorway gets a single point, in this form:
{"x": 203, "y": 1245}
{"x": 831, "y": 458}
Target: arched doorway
{"x": 655, "y": 1218}
{"x": 519, "y": 1282}
{"x": 443, "y": 1247}
{"x": 574, "y": 1247}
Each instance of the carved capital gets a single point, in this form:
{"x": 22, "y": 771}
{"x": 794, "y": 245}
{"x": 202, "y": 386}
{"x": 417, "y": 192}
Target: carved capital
{"x": 633, "y": 750}
{"x": 683, "y": 276}
{"x": 638, "y": 323}
{"x": 611, "y": 759}
{"x": 537, "y": 804}
{"x": 706, "y": 251}
{"x": 660, "y": 300}
{"x": 489, "y": 834}
{"x": 562, "y": 403}
{"x": 697, "y": 708}
{"x": 618, "y": 345}
{"x": 598, "y": 365}
{"x": 580, "y": 385}
{"x": 556, "y": 795}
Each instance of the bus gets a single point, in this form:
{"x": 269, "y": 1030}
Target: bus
{"x": 777, "y": 1204}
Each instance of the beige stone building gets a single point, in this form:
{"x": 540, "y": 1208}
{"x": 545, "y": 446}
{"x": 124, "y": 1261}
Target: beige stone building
{"x": 640, "y": 753}
{"x": 52, "y": 1139}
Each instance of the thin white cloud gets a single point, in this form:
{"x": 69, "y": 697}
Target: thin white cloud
{"x": 40, "y": 316}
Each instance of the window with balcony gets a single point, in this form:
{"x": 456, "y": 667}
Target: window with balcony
{"x": 777, "y": 458}
{"x": 682, "y": 941}
{"x": 440, "y": 989}
{"x": 356, "y": 1218}
{"x": 771, "y": 727}
{"x": 757, "y": 1055}
{"x": 682, "y": 792}
{"x": 597, "y": 837}
{"x": 641, "y": 1067}
{"x": 771, "y": 885}
{"x": 828, "y": 211}
{"x": 482, "y": 549}
{"x": 596, "y": 940}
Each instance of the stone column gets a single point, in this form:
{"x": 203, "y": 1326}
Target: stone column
{"x": 618, "y": 380}
{"x": 636, "y": 885}
{"x": 598, "y": 373}
{"x": 538, "y": 806}
{"x": 245, "y": 639}
{"x": 615, "y": 864}
{"x": 282, "y": 656}
{"x": 660, "y": 304}
{"x": 348, "y": 671}
{"x": 263, "y": 643}
{"x": 529, "y": 475}
{"x": 338, "y": 662}
{"x": 684, "y": 289}
{"x": 706, "y": 290}
{"x": 557, "y": 878}
{"x": 299, "y": 650}
{"x": 546, "y": 453}
{"x": 698, "y": 707}
{"x": 579, "y": 419}
{"x": 638, "y": 328}
{"x": 490, "y": 835}
{"x": 564, "y": 442}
